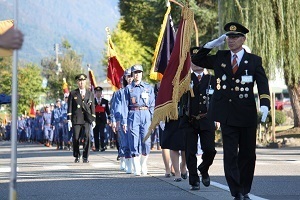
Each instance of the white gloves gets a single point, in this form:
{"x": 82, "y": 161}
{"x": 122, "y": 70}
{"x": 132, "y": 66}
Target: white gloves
{"x": 69, "y": 125}
{"x": 216, "y": 42}
{"x": 93, "y": 125}
{"x": 264, "y": 110}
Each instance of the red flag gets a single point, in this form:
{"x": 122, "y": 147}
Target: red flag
{"x": 32, "y": 109}
{"x": 92, "y": 79}
{"x": 177, "y": 76}
{"x": 114, "y": 69}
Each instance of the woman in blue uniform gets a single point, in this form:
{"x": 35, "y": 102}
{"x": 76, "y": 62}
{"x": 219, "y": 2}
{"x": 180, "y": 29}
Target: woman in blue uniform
{"x": 139, "y": 96}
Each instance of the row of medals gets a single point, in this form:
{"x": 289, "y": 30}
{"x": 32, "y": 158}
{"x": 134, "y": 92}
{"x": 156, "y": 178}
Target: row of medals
{"x": 246, "y": 89}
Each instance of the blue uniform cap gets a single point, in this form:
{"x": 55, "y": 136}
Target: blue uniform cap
{"x": 136, "y": 67}
{"x": 127, "y": 72}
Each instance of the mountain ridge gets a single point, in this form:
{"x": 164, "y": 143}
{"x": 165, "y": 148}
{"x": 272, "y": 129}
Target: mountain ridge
{"x": 46, "y": 22}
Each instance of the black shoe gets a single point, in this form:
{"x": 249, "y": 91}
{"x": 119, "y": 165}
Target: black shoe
{"x": 102, "y": 150}
{"x": 184, "y": 176}
{"x": 177, "y": 179}
{"x": 246, "y": 197}
{"x": 76, "y": 160}
{"x": 195, "y": 186}
{"x": 118, "y": 157}
{"x": 239, "y": 196}
{"x": 205, "y": 180}
{"x": 85, "y": 160}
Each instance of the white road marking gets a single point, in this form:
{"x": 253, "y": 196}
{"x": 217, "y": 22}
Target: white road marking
{"x": 226, "y": 188}
{"x": 56, "y": 167}
{"x": 104, "y": 165}
{"x": 6, "y": 169}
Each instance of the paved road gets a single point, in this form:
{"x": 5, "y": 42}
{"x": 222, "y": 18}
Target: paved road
{"x": 45, "y": 173}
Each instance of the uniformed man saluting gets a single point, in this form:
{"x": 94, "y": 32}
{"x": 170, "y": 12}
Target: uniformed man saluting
{"x": 233, "y": 104}
{"x": 81, "y": 116}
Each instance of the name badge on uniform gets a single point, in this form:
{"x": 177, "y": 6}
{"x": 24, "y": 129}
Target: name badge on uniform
{"x": 247, "y": 78}
{"x": 210, "y": 91}
{"x": 145, "y": 95}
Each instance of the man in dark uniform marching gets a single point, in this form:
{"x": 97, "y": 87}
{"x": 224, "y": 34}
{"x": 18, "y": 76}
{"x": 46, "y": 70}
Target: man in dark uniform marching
{"x": 203, "y": 89}
{"x": 102, "y": 114}
{"x": 81, "y": 116}
{"x": 234, "y": 106}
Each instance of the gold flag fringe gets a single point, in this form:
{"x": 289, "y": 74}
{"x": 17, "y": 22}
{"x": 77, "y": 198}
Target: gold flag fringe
{"x": 169, "y": 109}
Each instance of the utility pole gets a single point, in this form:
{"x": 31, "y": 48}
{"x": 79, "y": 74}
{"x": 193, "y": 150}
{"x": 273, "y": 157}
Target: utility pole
{"x": 57, "y": 51}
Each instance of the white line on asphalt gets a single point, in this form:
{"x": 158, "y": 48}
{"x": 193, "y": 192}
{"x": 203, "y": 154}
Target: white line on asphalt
{"x": 6, "y": 169}
{"x": 56, "y": 167}
{"x": 224, "y": 187}
{"x": 104, "y": 165}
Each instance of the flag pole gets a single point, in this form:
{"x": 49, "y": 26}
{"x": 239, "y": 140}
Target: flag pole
{"x": 14, "y": 105}
{"x": 195, "y": 24}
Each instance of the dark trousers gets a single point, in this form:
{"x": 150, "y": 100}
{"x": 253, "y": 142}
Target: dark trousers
{"x": 207, "y": 140}
{"x": 78, "y": 130}
{"x": 239, "y": 145}
{"x": 99, "y": 131}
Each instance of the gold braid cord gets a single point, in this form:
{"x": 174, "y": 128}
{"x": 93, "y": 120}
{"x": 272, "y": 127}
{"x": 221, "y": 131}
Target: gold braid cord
{"x": 169, "y": 109}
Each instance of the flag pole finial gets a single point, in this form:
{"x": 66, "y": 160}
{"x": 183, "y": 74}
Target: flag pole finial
{"x": 168, "y": 4}
{"x": 107, "y": 31}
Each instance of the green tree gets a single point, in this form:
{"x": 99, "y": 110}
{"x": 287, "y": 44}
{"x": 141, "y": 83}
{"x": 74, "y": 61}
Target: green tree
{"x": 71, "y": 65}
{"x": 29, "y": 83}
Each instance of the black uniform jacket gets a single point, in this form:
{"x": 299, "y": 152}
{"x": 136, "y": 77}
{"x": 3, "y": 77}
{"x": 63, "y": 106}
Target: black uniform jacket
{"x": 75, "y": 101}
{"x": 102, "y": 111}
{"x": 233, "y": 102}
{"x": 200, "y": 104}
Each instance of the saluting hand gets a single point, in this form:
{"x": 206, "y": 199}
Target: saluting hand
{"x": 216, "y": 42}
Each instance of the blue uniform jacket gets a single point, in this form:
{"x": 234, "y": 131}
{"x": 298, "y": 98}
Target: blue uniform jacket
{"x": 141, "y": 95}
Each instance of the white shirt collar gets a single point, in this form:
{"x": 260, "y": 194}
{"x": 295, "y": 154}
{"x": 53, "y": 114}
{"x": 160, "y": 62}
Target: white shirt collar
{"x": 239, "y": 54}
{"x": 199, "y": 74}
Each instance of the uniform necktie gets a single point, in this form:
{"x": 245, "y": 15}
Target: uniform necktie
{"x": 82, "y": 95}
{"x": 234, "y": 64}
{"x": 199, "y": 77}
